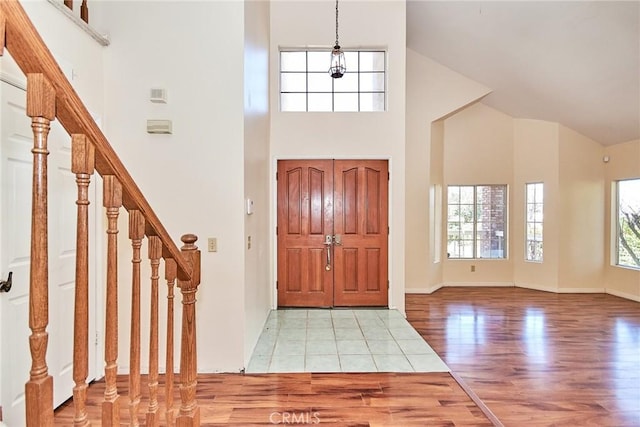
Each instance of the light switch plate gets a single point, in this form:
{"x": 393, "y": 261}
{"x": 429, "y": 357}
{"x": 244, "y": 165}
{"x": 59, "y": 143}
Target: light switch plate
{"x": 212, "y": 244}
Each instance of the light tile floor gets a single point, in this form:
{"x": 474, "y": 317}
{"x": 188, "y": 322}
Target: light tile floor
{"x": 341, "y": 340}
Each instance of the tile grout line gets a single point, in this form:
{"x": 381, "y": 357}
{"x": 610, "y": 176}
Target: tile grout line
{"x": 361, "y": 322}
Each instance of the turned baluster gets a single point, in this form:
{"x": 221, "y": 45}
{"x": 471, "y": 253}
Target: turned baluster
{"x": 82, "y": 164}
{"x": 189, "y": 414}
{"x": 170, "y": 273}
{"x": 69, "y": 4}
{"x": 84, "y": 11}
{"x": 155, "y": 252}
{"x": 112, "y": 200}
{"x": 41, "y": 100}
{"x": 3, "y": 26}
{"x": 136, "y": 234}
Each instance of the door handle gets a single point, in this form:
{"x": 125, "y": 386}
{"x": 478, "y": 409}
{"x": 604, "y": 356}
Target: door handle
{"x": 5, "y": 286}
{"x": 328, "y": 241}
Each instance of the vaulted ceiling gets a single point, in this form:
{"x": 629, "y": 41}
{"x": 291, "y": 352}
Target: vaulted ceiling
{"x": 572, "y": 62}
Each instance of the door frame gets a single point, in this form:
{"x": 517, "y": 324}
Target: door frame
{"x": 274, "y": 219}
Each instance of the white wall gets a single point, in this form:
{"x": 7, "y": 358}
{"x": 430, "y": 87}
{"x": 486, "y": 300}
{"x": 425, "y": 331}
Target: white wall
{"x": 193, "y": 179}
{"x": 367, "y": 24}
{"x": 257, "y": 290}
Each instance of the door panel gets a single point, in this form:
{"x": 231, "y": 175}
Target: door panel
{"x": 305, "y": 201}
{"x": 16, "y": 160}
{"x": 361, "y": 219}
{"x": 352, "y": 270}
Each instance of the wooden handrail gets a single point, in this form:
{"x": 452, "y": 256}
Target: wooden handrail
{"x": 50, "y": 96}
{"x": 32, "y": 56}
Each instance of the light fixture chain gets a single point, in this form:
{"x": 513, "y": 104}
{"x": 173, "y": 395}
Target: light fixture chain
{"x": 337, "y": 44}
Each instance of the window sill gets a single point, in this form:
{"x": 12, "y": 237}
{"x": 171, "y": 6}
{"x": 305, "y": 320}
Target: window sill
{"x": 626, "y": 267}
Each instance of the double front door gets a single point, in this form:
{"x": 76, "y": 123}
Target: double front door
{"x": 332, "y": 233}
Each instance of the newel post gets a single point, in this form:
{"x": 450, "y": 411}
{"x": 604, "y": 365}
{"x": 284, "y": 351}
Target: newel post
{"x": 189, "y": 415}
{"x": 41, "y": 107}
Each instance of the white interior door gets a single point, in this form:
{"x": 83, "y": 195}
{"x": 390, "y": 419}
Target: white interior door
{"x": 15, "y": 230}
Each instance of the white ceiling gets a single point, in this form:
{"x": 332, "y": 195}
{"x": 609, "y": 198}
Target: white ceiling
{"x": 572, "y": 62}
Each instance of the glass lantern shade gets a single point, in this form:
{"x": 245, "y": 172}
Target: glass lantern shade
{"x": 338, "y": 63}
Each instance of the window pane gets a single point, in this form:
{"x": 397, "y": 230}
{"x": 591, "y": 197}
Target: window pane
{"x": 319, "y": 61}
{"x": 372, "y": 82}
{"x": 351, "y": 61}
{"x": 293, "y": 61}
{"x": 466, "y": 249}
{"x": 466, "y": 213}
{"x": 537, "y": 234}
{"x": 454, "y": 235}
{"x": 347, "y": 83}
{"x": 345, "y": 102}
{"x": 372, "y": 61}
{"x": 538, "y": 212}
{"x": 453, "y": 214}
{"x": 319, "y": 82}
{"x": 320, "y": 102}
{"x": 453, "y": 194}
{"x": 293, "y": 102}
{"x": 372, "y": 102}
{"x": 307, "y": 72}
{"x": 490, "y": 200}
{"x": 466, "y": 194}
{"x": 293, "y": 82}
{"x": 534, "y": 227}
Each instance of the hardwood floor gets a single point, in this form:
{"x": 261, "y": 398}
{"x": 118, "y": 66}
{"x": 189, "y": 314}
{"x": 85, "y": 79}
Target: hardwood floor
{"x": 533, "y": 358}
{"x": 537, "y": 358}
{"x": 373, "y": 399}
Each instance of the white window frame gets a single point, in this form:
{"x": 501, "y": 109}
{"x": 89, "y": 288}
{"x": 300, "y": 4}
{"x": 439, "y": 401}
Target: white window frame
{"x": 475, "y": 215}
{"x": 351, "y": 70}
{"x": 618, "y": 218}
{"x": 533, "y": 222}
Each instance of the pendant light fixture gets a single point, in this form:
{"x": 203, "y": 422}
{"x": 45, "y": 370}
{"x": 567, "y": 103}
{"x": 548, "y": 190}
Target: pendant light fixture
{"x": 338, "y": 64}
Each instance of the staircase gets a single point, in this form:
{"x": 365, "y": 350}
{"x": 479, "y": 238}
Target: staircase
{"x": 50, "y": 97}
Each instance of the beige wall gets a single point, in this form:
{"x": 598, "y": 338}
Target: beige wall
{"x": 581, "y": 213}
{"x": 478, "y": 149}
{"x": 347, "y": 135}
{"x": 434, "y": 93}
{"x": 484, "y": 146}
{"x": 624, "y": 163}
{"x": 536, "y": 159}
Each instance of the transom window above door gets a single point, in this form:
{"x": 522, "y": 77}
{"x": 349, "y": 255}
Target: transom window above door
{"x": 305, "y": 83}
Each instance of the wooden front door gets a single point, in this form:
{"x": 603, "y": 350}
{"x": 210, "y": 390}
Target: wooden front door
{"x": 332, "y": 233}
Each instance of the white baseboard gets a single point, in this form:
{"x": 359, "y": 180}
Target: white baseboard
{"x": 624, "y": 295}
{"x": 532, "y": 286}
{"x": 581, "y": 290}
{"x": 478, "y": 284}
{"x": 428, "y": 290}
{"x": 536, "y": 287}
{"x": 432, "y": 289}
